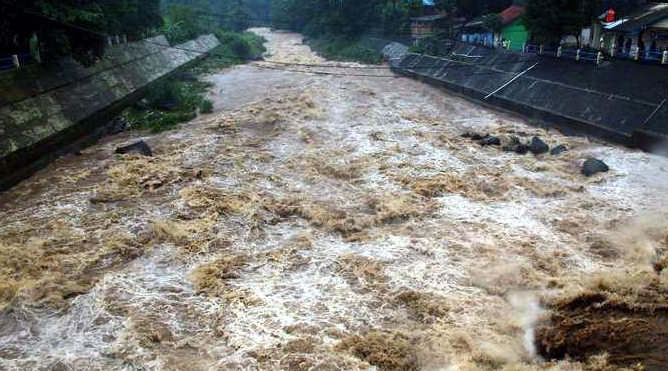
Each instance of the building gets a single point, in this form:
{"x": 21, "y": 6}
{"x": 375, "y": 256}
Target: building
{"x": 642, "y": 32}
{"x": 476, "y": 31}
{"x": 512, "y": 32}
{"x": 427, "y": 25}
{"x": 432, "y": 22}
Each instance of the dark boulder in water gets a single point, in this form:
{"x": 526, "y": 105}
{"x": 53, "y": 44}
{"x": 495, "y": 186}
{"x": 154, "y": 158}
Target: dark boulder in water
{"x": 490, "y": 140}
{"x": 515, "y": 145}
{"x": 522, "y": 149}
{"x": 140, "y": 147}
{"x": 474, "y": 135}
{"x": 593, "y": 166}
{"x": 558, "y": 150}
{"x": 538, "y": 147}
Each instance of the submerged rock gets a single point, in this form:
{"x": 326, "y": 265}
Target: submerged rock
{"x": 474, "y": 135}
{"x": 593, "y": 166}
{"x": 522, "y": 149}
{"x": 140, "y": 147}
{"x": 537, "y": 146}
{"x": 558, "y": 150}
{"x": 490, "y": 140}
{"x": 515, "y": 145}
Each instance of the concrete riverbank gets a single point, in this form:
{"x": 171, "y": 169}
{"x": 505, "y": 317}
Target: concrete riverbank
{"x": 43, "y": 111}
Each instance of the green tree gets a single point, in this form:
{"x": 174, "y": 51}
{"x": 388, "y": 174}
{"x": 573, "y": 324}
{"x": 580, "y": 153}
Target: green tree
{"x": 395, "y": 18}
{"x": 22, "y": 22}
{"x": 550, "y": 20}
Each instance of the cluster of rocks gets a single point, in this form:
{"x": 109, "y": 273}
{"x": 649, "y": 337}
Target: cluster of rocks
{"x": 536, "y": 146}
{"x": 514, "y": 144}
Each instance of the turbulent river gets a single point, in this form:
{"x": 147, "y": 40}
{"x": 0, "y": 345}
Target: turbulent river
{"x": 316, "y": 222}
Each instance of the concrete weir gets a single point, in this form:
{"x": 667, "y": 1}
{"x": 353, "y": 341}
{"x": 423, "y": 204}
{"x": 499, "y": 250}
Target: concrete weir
{"x": 43, "y": 110}
{"x": 620, "y": 101}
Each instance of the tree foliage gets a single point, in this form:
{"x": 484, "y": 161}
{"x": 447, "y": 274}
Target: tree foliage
{"x": 345, "y": 17}
{"x": 474, "y": 8}
{"x": 55, "y": 38}
{"x": 549, "y": 20}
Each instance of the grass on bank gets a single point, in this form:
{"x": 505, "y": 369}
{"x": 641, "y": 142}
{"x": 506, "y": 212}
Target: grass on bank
{"x": 343, "y": 49}
{"x": 180, "y": 98}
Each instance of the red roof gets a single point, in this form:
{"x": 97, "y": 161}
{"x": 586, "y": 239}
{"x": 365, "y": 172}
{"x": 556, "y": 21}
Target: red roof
{"x": 509, "y": 15}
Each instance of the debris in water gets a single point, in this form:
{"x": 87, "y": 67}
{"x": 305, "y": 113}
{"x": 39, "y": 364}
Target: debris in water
{"x": 593, "y": 165}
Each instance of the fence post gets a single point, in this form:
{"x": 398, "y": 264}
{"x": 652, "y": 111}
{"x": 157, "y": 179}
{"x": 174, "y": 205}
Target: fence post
{"x": 577, "y": 55}
{"x": 15, "y": 60}
{"x": 540, "y": 49}
{"x": 599, "y": 57}
{"x": 664, "y": 59}
{"x": 109, "y": 41}
{"x": 559, "y": 52}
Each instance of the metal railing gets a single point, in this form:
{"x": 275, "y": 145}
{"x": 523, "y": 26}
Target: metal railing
{"x": 6, "y": 63}
{"x": 587, "y": 55}
{"x": 16, "y": 61}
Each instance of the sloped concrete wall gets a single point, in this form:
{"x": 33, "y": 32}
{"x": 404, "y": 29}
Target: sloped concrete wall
{"x": 74, "y": 100}
{"x": 621, "y": 101}
{"x": 394, "y": 51}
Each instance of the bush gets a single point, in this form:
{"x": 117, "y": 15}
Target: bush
{"x": 340, "y": 48}
{"x": 206, "y": 106}
{"x": 172, "y": 101}
{"x": 255, "y": 43}
{"x": 168, "y": 103}
{"x": 235, "y": 43}
{"x": 428, "y": 45}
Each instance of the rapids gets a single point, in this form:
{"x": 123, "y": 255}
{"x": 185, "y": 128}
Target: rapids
{"x": 313, "y": 222}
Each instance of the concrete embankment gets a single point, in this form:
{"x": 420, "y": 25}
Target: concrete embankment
{"x": 44, "y": 110}
{"x": 620, "y": 101}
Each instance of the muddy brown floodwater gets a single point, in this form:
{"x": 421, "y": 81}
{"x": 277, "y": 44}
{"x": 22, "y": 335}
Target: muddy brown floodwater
{"x": 331, "y": 223}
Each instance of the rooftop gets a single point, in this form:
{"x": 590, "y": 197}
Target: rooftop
{"x": 511, "y": 13}
{"x": 430, "y": 18}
